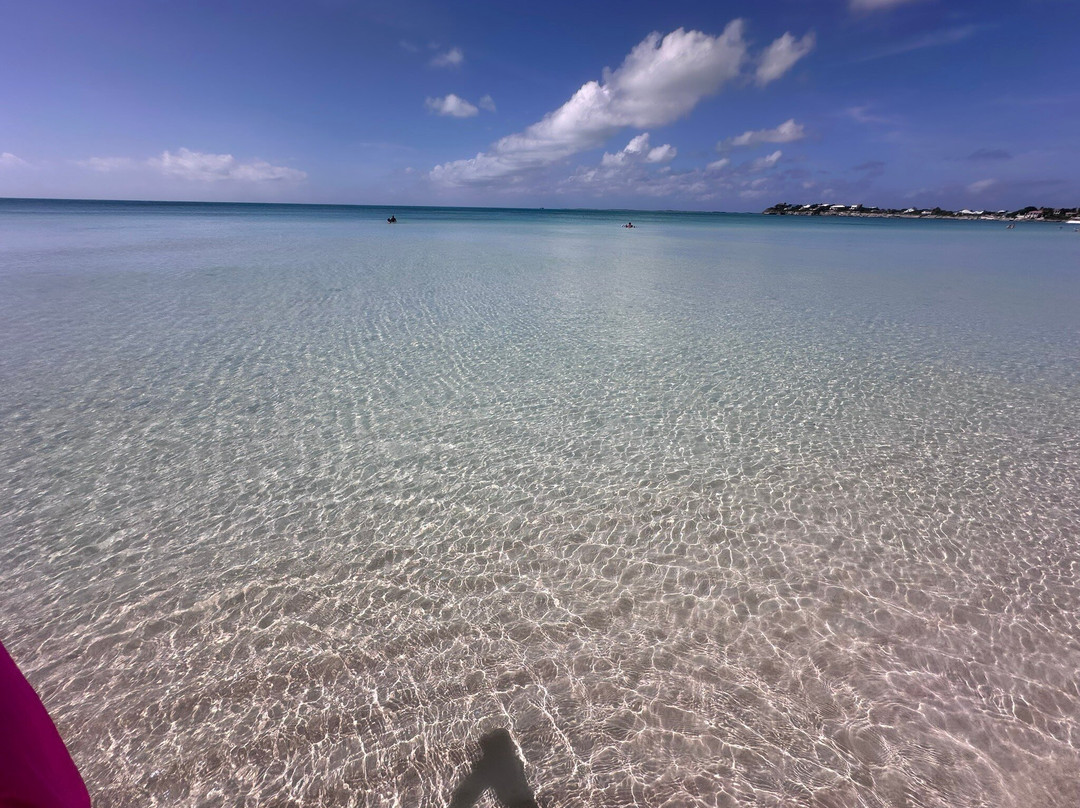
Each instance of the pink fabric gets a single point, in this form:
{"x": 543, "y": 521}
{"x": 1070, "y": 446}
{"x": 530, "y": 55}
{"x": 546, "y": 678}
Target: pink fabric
{"x": 36, "y": 770}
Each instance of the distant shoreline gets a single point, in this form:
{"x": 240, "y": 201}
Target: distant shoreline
{"x": 1028, "y": 214}
{"x": 1059, "y": 215}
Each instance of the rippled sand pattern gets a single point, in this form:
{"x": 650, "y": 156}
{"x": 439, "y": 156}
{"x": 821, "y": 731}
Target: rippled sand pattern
{"x": 291, "y": 513}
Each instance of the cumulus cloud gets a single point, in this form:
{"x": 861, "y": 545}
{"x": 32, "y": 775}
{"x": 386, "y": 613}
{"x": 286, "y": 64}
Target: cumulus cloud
{"x": 9, "y": 160}
{"x": 781, "y": 55}
{"x": 661, "y": 79}
{"x": 634, "y": 148}
{"x": 638, "y": 150}
{"x": 787, "y": 132}
{"x": 451, "y": 105}
{"x": 638, "y": 144}
{"x": 487, "y": 102}
{"x": 661, "y": 154}
{"x": 718, "y": 165}
{"x": 452, "y": 58}
{"x": 201, "y": 167}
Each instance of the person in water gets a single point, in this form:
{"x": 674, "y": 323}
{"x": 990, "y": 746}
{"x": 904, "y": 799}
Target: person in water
{"x": 392, "y": 219}
{"x": 628, "y": 224}
{"x": 498, "y": 768}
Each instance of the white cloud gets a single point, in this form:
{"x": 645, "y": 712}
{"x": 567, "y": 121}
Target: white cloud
{"x": 9, "y": 160}
{"x": 779, "y": 57}
{"x": 631, "y": 150}
{"x": 634, "y": 169}
{"x": 876, "y": 5}
{"x": 451, "y": 105}
{"x": 787, "y": 132}
{"x": 638, "y": 144}
{"x": 196, "y": 166}
{"x": 981, "y": 185}
{"x": 863, "y": 115}
{"x": 661, "y": 79}
{"x": 638, "y": 150}
{"x": 718, "y": 165}
{"x": 487, "y": 102}
{"x": 202, "y": 167}
{"x": 662, "y": 154}
{"x": 109, "y": 164}
{"x": 636, "y": 179}
{"x": 933, "y": 39}
{"x": 452, "y": 58}
{"x": 766, "y": 162}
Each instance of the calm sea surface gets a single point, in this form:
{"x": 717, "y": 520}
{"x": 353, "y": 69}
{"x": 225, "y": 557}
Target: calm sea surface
{"x": 722, "y": 510}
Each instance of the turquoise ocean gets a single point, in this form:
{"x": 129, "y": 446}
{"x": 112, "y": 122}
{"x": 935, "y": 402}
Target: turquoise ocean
{"x": 722, "y": 510}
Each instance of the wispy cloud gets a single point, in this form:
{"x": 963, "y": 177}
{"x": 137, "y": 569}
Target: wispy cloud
{"x": 454, "y": 57}
{"x": 9, "y": 160}
{"x": 629, "y": 172}
{"x": 487, "y": 102}
{"x": 662, "y": 79}
{"x": 863, "y": 114}
{"x": 204, "y": 167}
{"x": 982, "y": 185}
{"x": 636, "y": 179}
{"x": 933, "y": 39}
{"x": 197, "y": 167}
{"x": 787, "y": 132}
{"x": 768, "y": 161}
{"x": 107, "y": 165}
{"x": 871, "y": 169}
{"x": 984, "y": 155}
{"x": 781, "y": 56}
{"x": 877, "y": 5}
{"x": 452, "y": 105}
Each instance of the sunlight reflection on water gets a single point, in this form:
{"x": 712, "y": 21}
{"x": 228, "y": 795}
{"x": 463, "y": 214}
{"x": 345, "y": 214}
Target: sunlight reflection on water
{"x": 712, "y": 514}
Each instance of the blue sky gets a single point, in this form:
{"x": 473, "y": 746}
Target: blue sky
{"x": 702, "y": 105}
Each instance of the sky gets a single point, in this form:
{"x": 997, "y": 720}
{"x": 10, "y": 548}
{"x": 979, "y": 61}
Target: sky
{"x": 730, "y": 106}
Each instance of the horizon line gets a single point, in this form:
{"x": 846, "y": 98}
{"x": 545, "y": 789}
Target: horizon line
{"x": 367, "y": 205}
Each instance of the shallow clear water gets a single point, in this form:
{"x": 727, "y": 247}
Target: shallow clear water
{"x": 722, "y": 510}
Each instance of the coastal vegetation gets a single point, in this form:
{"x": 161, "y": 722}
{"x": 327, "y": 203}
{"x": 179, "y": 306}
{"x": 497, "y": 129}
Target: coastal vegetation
{"x": 1030, "y": 213}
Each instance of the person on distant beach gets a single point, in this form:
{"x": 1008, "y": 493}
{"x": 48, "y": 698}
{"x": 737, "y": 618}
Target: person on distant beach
{"x": 500, "y": 769}
{"x": 36, "y": 770}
